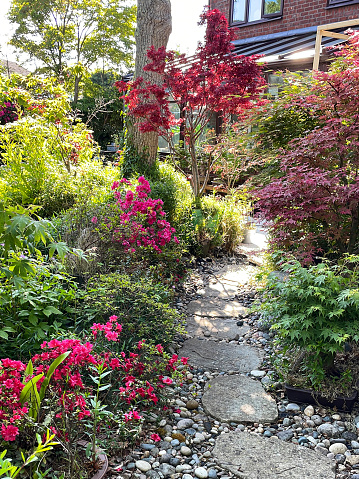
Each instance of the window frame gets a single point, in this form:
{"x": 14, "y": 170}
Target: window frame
{"x": 264, "y": 16}
{"x": 340, "y": 3}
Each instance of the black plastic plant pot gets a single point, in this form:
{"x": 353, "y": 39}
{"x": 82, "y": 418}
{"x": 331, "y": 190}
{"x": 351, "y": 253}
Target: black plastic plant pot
{"x": 298, "y": 395}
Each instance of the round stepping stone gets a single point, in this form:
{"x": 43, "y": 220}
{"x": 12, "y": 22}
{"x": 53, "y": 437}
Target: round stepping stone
{"x": 250, "y": 456}
{"x": 217, "y": 328}
{"x": 221, "y": 356}
{"x": 238, "y": 399}
{"x": 215, "y": 308}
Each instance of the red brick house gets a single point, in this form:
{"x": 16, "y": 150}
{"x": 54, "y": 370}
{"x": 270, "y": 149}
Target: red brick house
{"x": 285, "y": 31}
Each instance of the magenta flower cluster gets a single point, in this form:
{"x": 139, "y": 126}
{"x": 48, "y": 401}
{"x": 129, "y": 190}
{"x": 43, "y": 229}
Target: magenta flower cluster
{"x": 140, "y": 221}
{"x": 137, "y": 381}
{"x": 8, "y": 112}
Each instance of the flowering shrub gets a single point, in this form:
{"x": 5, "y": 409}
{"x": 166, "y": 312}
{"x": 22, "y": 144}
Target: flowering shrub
{"x": 8, "y": 112}
{"x": 135, "y": 382}
{"x": 136, "y": 221}
{"x": 142, "y": 307}
{"x": 11, "y": 410}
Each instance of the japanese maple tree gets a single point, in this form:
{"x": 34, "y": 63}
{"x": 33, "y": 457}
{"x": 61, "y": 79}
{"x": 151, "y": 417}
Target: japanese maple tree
{"x": 313, "y": 208}
{"x": 215, "y": 79}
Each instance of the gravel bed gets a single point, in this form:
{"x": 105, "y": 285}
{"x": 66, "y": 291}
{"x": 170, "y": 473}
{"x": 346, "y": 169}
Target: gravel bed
{"x": 188, "y": 434}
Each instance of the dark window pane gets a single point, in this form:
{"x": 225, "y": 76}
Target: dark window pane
{"x": 272, "y": 6}
{"x": 239, "y": 11}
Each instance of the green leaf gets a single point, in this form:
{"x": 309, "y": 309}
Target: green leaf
{"x": 29, "y": 386}
{"x": 51, "y": 310}
{"x": 51, "y": 371}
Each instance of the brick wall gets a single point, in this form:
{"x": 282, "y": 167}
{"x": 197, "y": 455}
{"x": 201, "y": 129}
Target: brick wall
{"x": 296, "y": 14}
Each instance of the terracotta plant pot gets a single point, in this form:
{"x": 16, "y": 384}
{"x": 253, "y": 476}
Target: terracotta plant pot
{"x": 298, "y": 395}
{"x": 101, "y": 458}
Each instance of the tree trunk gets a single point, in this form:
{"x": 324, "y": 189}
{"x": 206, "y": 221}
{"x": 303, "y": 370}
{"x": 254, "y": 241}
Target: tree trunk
{"x": 154, "y": 26}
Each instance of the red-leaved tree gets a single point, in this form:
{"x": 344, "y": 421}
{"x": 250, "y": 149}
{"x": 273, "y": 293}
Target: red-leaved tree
{"x": 215, "y": 79}
{"x": 314, "y": 207}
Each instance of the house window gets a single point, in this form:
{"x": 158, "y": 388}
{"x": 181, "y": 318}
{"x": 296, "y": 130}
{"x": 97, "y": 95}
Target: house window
{"x": 246, "y": 11}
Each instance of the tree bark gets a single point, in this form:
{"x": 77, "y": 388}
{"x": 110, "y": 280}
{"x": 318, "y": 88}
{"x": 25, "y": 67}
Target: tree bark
{"x": 154, "y": 26}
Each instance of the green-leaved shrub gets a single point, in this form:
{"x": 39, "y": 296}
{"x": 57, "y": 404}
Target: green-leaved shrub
{"x": 142, "y": 307}
{"x": 315, "y": 310}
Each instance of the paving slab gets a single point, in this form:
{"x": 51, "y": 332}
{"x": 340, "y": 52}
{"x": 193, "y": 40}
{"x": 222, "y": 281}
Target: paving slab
{"x": 212, "y": 355}
{"x": 238, "y": 399}
{"x": 212, "y": 308}
{"x": 215, "y": 328}
{"x": 253, "y": 252}
{"x": 249, "y": 456}
{"x": 224, "y": 284}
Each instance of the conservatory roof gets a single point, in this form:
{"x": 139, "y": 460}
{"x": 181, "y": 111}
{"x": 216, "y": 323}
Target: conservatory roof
{"x": 285, "y": 44}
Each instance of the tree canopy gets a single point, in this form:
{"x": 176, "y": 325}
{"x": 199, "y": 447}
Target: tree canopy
{"x": 68, "y": 36}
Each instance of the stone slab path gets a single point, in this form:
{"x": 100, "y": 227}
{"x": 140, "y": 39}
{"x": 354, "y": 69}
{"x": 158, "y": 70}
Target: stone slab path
{"x": 221, "y": 356}
{"x": 245, "y": 400}
{"x": 212, "y": 308}
{"x": 217, "y": 329}
{"x": 249, "y": 456}
{"x": 216, "y": 322}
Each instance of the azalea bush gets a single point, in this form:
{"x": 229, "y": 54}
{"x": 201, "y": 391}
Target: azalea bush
{"x": 89, "y": 380}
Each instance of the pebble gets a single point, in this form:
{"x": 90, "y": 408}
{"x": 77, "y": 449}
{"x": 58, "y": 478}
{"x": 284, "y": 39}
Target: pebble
{"x": 338, "y": 448}
{"x": 201, "y": 473}
{"x": 186, "y": 451}
{"x": 291, "y": 407}
{"x": 184, "y": 423}
{"x": 285, "y": 435}
{"x": 309, "y": 411}
{"x": 143, "y": 466}
{"x": 258, "y": 374}
{"x": 167, "y": 470}
{"x": 329, "y": 430}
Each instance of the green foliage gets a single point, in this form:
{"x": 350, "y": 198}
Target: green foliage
{"x": 32, "y": 146}
{"x": 38, "y": 307}
{"x": 133, "y": 165}
{"x": 30, "y": 393}
{"x": 142, "y": 307}
{"x": 173, "y": 189}
{"x": 249, "y": 150}
{"x": 50, "y": 31}
{"x": 9, "y": 471}
{"x": 314, "y": 309}
{"x": 218, "y": 222}
{"x": 88, "y": 187}
{"x": 100, "y": 107}
{"x": 20, "y": 238}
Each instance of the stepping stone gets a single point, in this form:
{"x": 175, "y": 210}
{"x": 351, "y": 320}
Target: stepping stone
{"x": 252, "y": 457}
{"x": 216, "y": 308}
{"x": 238, "y": 399}
{"x": 215, "y": 328}
{"x": 253, "y": 252}
{"x": 211, "y": 355}
{"x": 228, "y": 279}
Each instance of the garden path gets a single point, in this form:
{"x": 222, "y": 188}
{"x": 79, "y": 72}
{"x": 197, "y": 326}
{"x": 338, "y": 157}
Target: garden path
{"x": 215, "y": 322}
